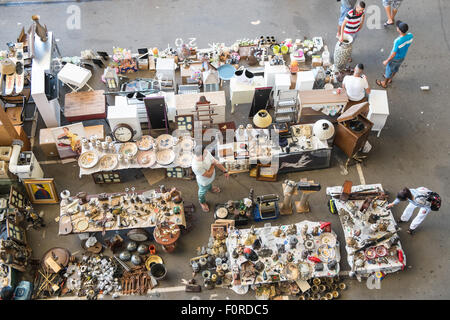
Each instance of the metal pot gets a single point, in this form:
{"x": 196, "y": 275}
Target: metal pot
{"x": 131, "y": 246}
{"x": 125, "y": 255}
{"x": 142, "y": 249}
{"x": 136, "y": 259}
{"x": 158, "y": 271}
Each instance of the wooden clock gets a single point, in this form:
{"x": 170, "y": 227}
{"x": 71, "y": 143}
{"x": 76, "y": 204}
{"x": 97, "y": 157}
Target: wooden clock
{"x": 123, "y": 132}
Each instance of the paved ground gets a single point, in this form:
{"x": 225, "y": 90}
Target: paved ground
{"x": 413, "y": 148}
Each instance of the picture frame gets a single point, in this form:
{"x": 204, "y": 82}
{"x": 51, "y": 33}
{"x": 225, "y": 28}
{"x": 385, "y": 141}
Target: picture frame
{"x": 41, "y": 191}
{"x": 265, "y": 172}
{"x": 68, "y": 139}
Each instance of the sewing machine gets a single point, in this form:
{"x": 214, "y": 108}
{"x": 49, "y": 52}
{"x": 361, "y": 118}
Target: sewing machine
{"x": 266, "y": 207}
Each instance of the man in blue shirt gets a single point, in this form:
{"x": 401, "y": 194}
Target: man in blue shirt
{"x": 398, "y": 53}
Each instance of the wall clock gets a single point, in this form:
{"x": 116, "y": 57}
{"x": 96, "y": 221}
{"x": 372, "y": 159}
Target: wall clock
{"x": 123, "y": 132}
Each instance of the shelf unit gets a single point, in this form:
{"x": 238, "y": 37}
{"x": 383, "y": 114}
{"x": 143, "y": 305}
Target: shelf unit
{"x": 286, "y": 107}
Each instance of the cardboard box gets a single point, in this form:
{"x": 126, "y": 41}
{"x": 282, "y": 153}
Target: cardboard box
{"x": 98, "y": 130}
{"x": 47, "y": 142}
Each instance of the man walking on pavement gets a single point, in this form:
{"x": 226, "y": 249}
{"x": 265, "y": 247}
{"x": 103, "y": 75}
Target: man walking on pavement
{"x": 391, "y": 7}
{"x": 204, "y": 167}
{"x": 422, "y": 198}
{"x": 398, "y": 53}
{"x": 346, "y": 6}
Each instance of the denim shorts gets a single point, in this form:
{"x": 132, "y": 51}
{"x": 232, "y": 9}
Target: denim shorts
{"x": 344, "y": 11}
{"x": 393, "y": 3}
{"x": 393, "y": 66}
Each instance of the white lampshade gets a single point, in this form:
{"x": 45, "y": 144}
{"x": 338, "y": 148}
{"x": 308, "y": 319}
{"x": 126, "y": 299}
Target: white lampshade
{"x": 323, "y": 129}
{"x": 262, "y": 119}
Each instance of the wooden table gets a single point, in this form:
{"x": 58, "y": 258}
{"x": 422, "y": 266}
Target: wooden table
{"x": 85, "y": 105}
{"x": 167, "y": 236}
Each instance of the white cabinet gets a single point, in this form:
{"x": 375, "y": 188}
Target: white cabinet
{"x": 128, "y": 115}
{"x": 305, "y": 80}
{"x": 271, "y": 71}
{"x": 165, "y": 67}
{"x": 241, "y": 92}
{"x": 378, "y": 109}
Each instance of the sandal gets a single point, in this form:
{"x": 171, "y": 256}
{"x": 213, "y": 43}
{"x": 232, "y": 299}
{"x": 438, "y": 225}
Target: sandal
{"x": 203, "y": 208}
{"x": 386, "y": 24}
{"x": 389, "y": 81}
{"x": 378, "y": 82}
{"x": 215, "y": 190}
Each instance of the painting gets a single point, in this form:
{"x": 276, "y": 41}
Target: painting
{"x": 41, "y": 191}
{"x": 68, "y": 140}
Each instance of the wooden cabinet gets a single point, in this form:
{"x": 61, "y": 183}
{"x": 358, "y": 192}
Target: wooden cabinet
{"x": 348, "y": 138}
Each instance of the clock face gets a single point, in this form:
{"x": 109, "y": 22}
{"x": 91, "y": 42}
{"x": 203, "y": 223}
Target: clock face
{"x": 123, "y": 133}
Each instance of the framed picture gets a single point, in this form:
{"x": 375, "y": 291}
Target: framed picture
{"x": 17, "y": 199}
{"x": 265, "y": 172}
{"x": 68, "y": 140}
{"x": 41, "y": 191}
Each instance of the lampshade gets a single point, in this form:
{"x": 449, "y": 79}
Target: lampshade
{"x": 262, "y": 119}
{"x": 323, "y": 129}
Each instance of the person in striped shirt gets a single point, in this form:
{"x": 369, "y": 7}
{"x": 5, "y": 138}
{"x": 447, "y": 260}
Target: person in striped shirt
{"x": 353, "y": 21}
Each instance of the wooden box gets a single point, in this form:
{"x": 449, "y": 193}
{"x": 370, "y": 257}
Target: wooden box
{"x": 5, "y": 153}
{"x": 47, "y": 142}
{"x": 347, "y": 139}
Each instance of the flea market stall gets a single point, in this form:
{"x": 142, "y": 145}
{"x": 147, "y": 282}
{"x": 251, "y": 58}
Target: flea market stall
{"x": 372, "y": 242}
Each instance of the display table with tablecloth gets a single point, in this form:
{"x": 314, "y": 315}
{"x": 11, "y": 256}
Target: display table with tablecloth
{"x": 290, "y": 252}
{"x": 359, "y": 229}
{"x": 120, "y": 211}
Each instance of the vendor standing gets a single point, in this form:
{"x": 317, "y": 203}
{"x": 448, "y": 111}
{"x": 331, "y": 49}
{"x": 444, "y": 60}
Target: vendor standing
{"x": 421, "y": 198}
{"x": 204, "y": 167}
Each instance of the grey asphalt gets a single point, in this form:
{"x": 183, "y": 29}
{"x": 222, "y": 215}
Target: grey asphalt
{"x": 413, "y": 149}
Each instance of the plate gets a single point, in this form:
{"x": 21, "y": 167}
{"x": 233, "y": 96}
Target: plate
{"x": 164, "y": 141}
{"x": 326, "y": 253}
{"x": 240, "y": 289}
{"x": 165, "y": 157}
{"x": 184, "y": 159}
{"x": 145, "y": 143}
{"x": 327, "y": 238}
{"x": 108, "y": 162}
{"x": 146, "y": 158}
{"x": 128, "y": 148}
{"x": 381, "y": 251}
{"x": 187, "y": 143}
{"x": 222, "y": 213}
{"x": 371, "y": 253}
{"x": 88, "y": 160}
{"x": 152, "y": 259}
{"x": 82, "y": 224}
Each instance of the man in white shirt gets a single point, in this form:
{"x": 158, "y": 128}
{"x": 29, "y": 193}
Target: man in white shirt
{"x": 356, "y": 85}
{"x": 203, "y": 165}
